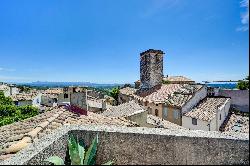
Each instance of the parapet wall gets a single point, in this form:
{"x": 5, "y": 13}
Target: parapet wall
{"x": 240, "y": 98}
{"x": 142, "y": 146}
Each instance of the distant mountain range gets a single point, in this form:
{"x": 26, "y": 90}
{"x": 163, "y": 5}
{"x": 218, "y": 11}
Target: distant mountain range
{"x": 64, "y": 84}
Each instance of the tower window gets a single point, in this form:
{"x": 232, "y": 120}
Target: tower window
{"x": 156, "y": 112}
{"x": 157, "y": 58}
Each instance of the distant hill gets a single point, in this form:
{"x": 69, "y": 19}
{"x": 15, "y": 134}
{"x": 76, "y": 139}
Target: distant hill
{"x": 65, "y": 84}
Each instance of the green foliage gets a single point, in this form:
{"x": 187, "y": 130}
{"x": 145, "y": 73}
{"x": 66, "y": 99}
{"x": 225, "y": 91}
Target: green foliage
{"x": 55, "y": 160}
{"x": 114, "y": 93}
{"x": 24, "y": 88}
{"x": 166, "y": 82}
{"x": 5, "y": 100}
{"x": 243, "y": 84}
{"x": 77, "y": 153}
{"x": 9, "y": 113}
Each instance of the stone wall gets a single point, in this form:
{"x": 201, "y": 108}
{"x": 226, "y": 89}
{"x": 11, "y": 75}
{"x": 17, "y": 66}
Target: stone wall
{"x": 139, "y": 118}
{"x": 142, "y": 146}
{"x": 96, "y": 94}
{"x": 240, "y": 98}
{"x": 78, "y": 99}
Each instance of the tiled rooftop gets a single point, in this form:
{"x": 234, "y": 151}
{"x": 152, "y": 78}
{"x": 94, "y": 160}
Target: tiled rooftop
{"x": 128, "y": 91}
{"x": 206, "y": 110}
{"x": 54, "y": 91}
{"x": 24, "y": 96}
{"x": 173, "y": 94}
{"x": 160, "y": 95}
{"x": 182, "y": 95}
{"x": 237, "y": 123}
{"x": 159, "y": 123}
{"x": 124, "y": 110}
{"x": 4, "y": 87}
{"x": 17, "y": 136}
{"x": 177, "y": 78}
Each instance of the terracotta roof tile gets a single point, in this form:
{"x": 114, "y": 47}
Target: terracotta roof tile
{"x": 124, "y": 110}
{"x": 127, "y": 91}
{"x": 24, "y": 96}
{"x": 206, "y": 110}
{"x": 159, "y": 123}
{"x": 16, "y": 136}
{"x": 237, "y": 123}
{"x": 177, "y": 79}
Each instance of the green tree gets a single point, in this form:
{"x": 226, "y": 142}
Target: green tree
{"x": 10, "y": 113}
{"x": 114, "y": 93}
{"x": 243, "y": 84}
{"x": 5, "y": 100}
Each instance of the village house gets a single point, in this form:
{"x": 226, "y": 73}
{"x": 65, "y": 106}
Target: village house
{"x": 94, "y": 102}
{"x": 33, "y": 98}
{"x": 125, "y": 95}
{"x": 166, "y": 101}
{"x": 9, "y": 90}
{"x": 50, "y": 97}
{"x": 208, "y": 115}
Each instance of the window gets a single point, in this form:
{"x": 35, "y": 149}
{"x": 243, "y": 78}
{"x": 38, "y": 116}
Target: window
{"x": 158, "y": 58}
{"x": 194, "y": 121}
{"x": 176, "y": 114}
{"x": 156, "y": 104}
{"x": 146, "y": 103}
{"x": 165, "y": 112}
{"x": 66, "y": 95}
{"x": 156, "y": 112}
{"x": 209, "y": 127}
{"x": 220, "y": 116}
{"x": 149, "y": 110}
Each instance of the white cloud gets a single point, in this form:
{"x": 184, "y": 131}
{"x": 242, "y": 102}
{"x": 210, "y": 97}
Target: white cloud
{"x": 5, "y": 69}
{"x": 244, "y": 16}
{"x": 13, "y": 78}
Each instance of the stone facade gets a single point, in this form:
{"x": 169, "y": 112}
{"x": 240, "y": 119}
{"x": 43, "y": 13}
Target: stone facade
{"x": 151, "y": 68}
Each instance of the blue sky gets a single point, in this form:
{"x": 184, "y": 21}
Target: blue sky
{"x": 100, "y": 40}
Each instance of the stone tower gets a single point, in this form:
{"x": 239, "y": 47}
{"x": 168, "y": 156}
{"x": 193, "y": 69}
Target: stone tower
{"x": 151, "y": 68}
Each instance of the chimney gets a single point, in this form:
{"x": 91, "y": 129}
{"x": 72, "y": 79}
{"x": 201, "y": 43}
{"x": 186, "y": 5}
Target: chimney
{"x": 104, "y": 105}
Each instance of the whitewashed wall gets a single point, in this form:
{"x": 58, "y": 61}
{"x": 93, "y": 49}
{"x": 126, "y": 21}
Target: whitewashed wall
{"x": 215, "y": 123}
{"x": 201, "y": 94}
{"x": 37, "y": 100}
